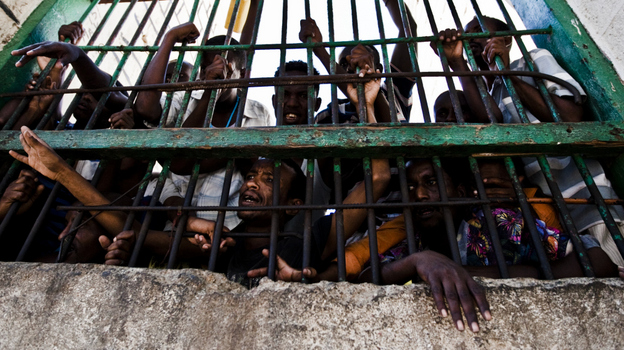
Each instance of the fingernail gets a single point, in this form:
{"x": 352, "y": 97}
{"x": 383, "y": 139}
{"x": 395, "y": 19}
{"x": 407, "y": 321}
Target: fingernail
{"x": 460, "y": 325}
{"x": 475, "y": 327}
{"x": 361, "y": 74}
{"x": 487, "y": 315}
{"x": 443, "y": 312}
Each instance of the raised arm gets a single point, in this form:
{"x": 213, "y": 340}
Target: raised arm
{"x": 43, "y": 159}
{"x": 147, "y": 104}
{"x": 400, "y": 55}
{"x": 453, "y": 50}
{"x": 90, "y": 75}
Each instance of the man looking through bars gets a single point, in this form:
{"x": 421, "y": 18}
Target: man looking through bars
{"x": 586, "y": 218}
{"x": 150, "y": 106}
{"x": 400, "y": 62}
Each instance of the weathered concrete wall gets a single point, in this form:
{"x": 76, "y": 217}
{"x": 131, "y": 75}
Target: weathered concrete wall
{"x": 98, "y": 307}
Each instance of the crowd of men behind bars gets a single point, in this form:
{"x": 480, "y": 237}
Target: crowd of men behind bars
{"x": 412, "y": 245}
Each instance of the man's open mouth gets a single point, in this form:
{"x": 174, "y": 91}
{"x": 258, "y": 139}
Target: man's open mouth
{"x": 249, "y": 198}
{"x": 290, "y": 117}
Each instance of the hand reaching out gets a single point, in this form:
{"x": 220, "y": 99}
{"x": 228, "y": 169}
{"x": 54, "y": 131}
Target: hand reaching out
{"x": 65, "y": 53}
{"x": 26, "y": 189}
{"x": 40, "y": 156}
{"x": 123, "y": 119}
{"x": 220, "y": 68}
{"x": 207, "y": 227}
{"x": 72, "y": 31}
{"x": 450, "y": 282}
{"x": 284, "y": 271}
{"x": 119, "y": 250}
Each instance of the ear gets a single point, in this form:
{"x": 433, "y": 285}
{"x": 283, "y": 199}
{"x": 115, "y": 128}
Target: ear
{"x": 318, "y": 104}
{"x": 293, "y": 202}
{"x": 380, "y": 67}
{"x": 274, "y": 100}
{"x": 508, "y": 41}
{"x": 242, "y": 72}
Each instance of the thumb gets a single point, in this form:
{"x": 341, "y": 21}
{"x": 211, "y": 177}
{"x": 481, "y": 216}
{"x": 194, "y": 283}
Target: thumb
{"x": 105, "y": 242}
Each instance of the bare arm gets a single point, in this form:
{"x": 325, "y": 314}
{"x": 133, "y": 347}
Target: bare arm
{"x": 44, "y": 160}
{"x": 453, "y": 50}
{"x": 147, "y": 104}
{"x": 400, "y": 56}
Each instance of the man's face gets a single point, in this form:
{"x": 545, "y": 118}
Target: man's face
{"x": 185, "y": 72}
{"x": 86, "y": 106}
{"x": 85, "y": 247}
{"x": 445, "y": 113}
{"x": 257, "y": 190}
{"x": 295, "y": 107}
{"x": 477, "y": 45}
{"x": 423, "y": 186}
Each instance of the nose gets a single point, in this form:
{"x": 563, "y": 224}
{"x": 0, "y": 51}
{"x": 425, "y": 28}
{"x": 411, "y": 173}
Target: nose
{"x": 290, "y": 100}
{"x": 251, "y": 183}
{"x": 422, "y": 194}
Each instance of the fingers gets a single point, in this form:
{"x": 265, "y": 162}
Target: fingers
{"x": 450, "y": 293}
{"x": 467, "y": 304}
{"x": 438, "y": 296}
{"x": 621, "y": 271}
{"x": 105, "y": 242}
{"x": 479, "y": 296}
{"x": 261, "y": 272}
{"x": 122, "y": 120}
{"x": 19, "y": 157}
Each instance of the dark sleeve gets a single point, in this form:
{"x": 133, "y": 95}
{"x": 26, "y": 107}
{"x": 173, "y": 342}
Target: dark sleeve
{"x": 320, "y": 233}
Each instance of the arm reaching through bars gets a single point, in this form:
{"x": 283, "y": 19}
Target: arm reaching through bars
{"x": 43, "y": 159}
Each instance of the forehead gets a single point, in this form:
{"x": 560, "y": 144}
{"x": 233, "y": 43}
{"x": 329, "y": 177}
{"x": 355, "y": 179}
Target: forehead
{"x": 493, "y": 169}
{"x": 294, "y": 88}
{"x": 418, "y": 168}
{"x": 442, "y": 102}
{"x": 474, "y": 26}
{"x": 266, "y": 166}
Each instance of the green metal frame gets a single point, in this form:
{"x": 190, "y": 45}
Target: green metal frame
{"x": 573, "y": 47}
{"x": 41, "y": 25}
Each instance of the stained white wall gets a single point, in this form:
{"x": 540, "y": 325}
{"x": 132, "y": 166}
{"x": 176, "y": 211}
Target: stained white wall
{"x": 604, "y": 20}
{"x": 21, "y": 9}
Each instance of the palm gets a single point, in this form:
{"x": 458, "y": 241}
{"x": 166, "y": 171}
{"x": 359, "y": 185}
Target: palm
{"x": 40, "y": 156}
{"x": 371, "y": 89}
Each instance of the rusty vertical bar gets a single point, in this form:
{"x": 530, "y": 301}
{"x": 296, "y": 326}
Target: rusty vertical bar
{"x": 386, "y": 63}
{"x": 340, "y": 239}
{"x": 372, "y": 229}
{"x": 307, "y": 222}
{"x": 489, "y": 220}
{"x": 407, "y": 211}
{"x": 275, "y": 219}
{"x": 451, "y": 234}
{"x": 529, "y": 221}
{"x": 279, "y": 109}
{"x": 445, "y": 67}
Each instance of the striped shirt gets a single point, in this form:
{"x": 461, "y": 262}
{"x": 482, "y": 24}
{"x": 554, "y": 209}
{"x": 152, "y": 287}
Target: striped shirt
{"x": 210, "y": 185}
{"x": 563, "y": 169}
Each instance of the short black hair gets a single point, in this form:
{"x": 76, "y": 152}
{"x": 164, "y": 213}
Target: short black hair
{"x": 499, "y": 26}
{"x": 236, "y": 56}
{"x": 297, "y": 188}
{"x": 298, "y": 66}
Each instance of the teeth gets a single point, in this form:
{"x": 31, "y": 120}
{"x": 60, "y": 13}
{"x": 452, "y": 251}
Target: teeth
{"x": 290, "y": 115}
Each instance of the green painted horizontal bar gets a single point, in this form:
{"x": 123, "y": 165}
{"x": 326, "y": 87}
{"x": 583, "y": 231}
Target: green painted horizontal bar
{"x": 312, "y": 45}
{"x": 411, "y": 140}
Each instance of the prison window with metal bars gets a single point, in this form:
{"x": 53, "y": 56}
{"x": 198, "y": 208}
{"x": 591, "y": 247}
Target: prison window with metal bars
{"x": 347, "y": 147}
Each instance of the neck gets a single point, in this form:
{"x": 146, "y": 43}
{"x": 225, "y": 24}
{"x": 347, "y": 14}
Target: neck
{"x": 226, "y": 106}
{"x": 257, "y": 242}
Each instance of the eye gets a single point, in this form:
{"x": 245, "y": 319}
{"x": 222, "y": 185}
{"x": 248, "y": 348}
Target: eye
{"x": 410, "y": 187}
{"x": 269, "y": 179}
{"x": 432, "y": 182}
{"x": 249, "y": 177}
